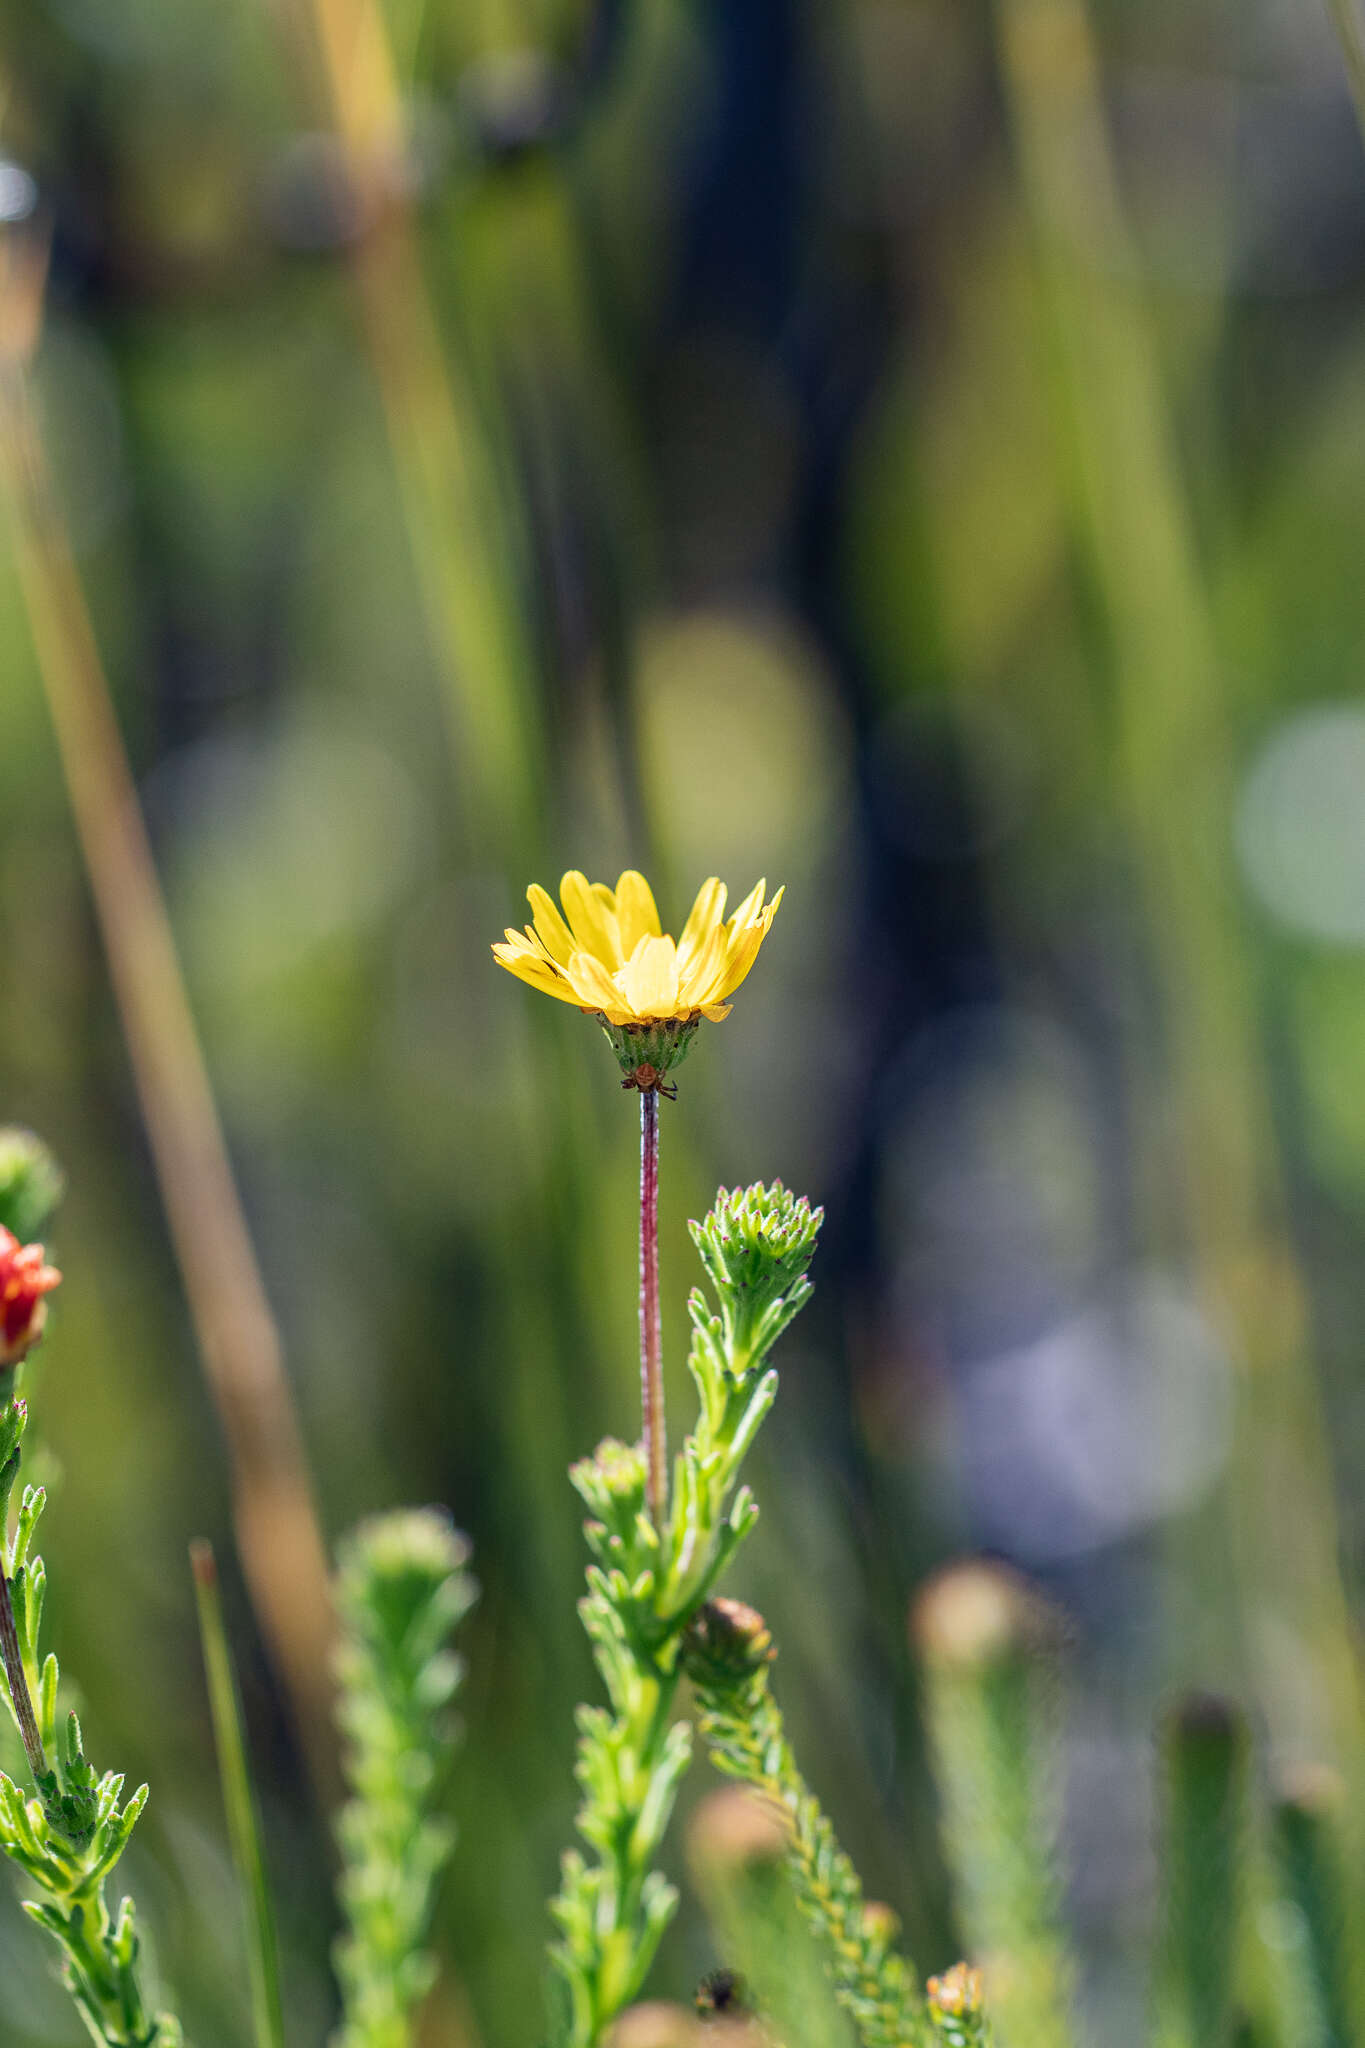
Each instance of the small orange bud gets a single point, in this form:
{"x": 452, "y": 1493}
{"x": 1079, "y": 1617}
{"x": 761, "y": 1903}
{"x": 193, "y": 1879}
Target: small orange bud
{"x": 957, "y": 1993}
{"x": 24, "y": 1280}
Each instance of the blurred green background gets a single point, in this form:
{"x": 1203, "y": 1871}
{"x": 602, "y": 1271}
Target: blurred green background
{"x": 909, "y": 449}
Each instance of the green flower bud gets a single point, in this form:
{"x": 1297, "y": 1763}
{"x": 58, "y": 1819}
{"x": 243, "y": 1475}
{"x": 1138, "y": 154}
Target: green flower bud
{"x": 726, "y": 1642}
{"x": 647, "y": 1052}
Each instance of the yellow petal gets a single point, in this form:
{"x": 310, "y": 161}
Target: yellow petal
{"x": 537, "y": 972}
{"x": 595, "y": 988}
{"x": 593, "y": 925}
{"x": 649, "y": 979}
{"x": 740, "y": 958}
{"x": 531, "y": 937}
{"x": 746, "y": 938}
{"x": 698, "y": 979}
{"x": 606, "y": 951}
{"x": 527, "y": 942}
{"x": 743, "y": 936}
{"x": 706, "y": 913}
{"x": 750, "y": 910}
{"x": 555, "y": 935}
{"x": 636, "y": 914}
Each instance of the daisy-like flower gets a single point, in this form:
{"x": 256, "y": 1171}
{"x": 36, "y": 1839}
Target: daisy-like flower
{"x": 25, "y": 1279}
{"x": 608, "y": 955}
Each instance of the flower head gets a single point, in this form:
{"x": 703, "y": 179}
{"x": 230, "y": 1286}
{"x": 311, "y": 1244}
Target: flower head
{"x": 24, "y": 1280}
{"x": 607, "y": 954}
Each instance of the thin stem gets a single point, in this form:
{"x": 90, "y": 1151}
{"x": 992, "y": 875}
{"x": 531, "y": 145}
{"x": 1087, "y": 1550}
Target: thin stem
{"x": 651, "y": 1326}
{"x": 18, "y": 1685}
{"x": 276, "y": 1522}
{"x": 239, "y": 1800}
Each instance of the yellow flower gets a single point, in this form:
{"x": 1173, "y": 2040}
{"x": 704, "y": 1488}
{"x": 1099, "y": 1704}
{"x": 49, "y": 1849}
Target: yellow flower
{"x": 608, "y": 955}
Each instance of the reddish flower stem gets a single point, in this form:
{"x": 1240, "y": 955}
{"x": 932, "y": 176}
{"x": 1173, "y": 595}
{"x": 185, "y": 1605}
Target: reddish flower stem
{"x": 651, "y": 1326}
{"x": 18, "y": 1684}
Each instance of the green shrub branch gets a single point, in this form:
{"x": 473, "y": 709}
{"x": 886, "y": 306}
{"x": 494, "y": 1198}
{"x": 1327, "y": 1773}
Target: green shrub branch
{"x": 69, "y": 1833}
{"x": 401, "y": 1590}
{"x": 728, "y": 1654}
{"x": 645, "y": 1586}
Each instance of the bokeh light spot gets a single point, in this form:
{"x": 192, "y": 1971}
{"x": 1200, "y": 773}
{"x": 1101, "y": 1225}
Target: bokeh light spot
{"x": 744, "y": 752}
{"x": 1113, "y": 1420}
{"x": 1301, "y": 824}
{"x": 18, "y": 193}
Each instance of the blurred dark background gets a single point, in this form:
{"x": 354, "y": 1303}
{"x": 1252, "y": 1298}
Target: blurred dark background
{"x": 904, "y": 448}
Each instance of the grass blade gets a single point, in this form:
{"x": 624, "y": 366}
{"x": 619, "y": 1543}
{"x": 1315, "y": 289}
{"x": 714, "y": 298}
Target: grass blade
{"x": 244, "y": 1827}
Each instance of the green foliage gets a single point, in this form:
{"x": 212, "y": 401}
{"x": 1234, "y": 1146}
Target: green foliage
{"x": 728, "y": 1653}
{"x": 644, "y": 1589}
{"x": 755, "y": 1244}
{"x": 67, "y": 1841}
{"x": 402, "y": 1588}
{"x": 1312, "y": 1864}
{"x": 1205, "y": 1754}
{"x": 239, "y": 1801}
{"x": 31, "y": 1183}
{"x": 612, "y": 1911}
{"x": 981, "y": 1633}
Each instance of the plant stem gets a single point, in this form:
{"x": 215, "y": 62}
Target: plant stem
{"x": 651, "y": 1326}
{"x": 18, "y": 1685}
{"x": 278, "y": 1533}
{"x": 239, "y": 1801}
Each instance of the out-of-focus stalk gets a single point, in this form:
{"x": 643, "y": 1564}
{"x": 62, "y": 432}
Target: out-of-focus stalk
{"x": 274, "y": 1514}
{"x": 986, "y": 1642}
{"x": 1206, "y": 1869}
{"x": 458, "y": 521}
{"x": 454, "y": 526}
{"x": 1172, "y": 771}
{"x": 1317, "y": 1876}
{"x": 239, "y": 1803}
{"x": 1351, "y": 31}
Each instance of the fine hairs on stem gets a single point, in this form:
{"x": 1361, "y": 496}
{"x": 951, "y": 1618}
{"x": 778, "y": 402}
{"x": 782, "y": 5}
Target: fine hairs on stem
{"x": 16, "y": 1680}
{"x": 651, "y": 1317}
